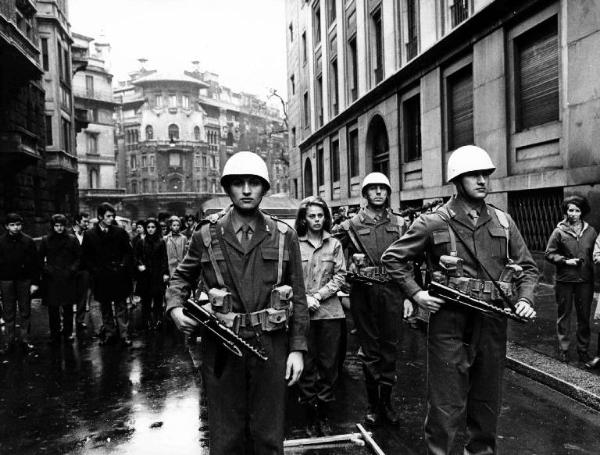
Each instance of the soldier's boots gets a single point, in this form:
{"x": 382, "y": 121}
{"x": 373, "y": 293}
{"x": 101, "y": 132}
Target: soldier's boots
{"x": 388, "y": 411}
{"x": 372, "y": 416}
{"x": 311, "y": 413}
{"x": 324, "y": 424}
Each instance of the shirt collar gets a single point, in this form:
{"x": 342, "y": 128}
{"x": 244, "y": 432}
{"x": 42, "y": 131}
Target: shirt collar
{"x": 237, "y": 223}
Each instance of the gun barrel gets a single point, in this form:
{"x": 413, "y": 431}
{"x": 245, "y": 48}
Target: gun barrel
{"x": 452, "y": 295}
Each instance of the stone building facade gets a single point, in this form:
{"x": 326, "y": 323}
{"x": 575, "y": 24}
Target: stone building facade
{"x": 396, "y": 85}
{"x": 93, "y": 96}
{"x": 60, "y": 115}
{"x": 175, "y": 132}
{"x": 23, "y": 175}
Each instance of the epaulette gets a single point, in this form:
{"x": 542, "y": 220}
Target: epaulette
{"x": 282, "y": 226}
{"x": 501, "y": 215}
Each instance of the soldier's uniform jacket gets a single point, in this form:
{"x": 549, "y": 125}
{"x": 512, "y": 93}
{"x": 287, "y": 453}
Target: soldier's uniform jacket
{"x": 253, "y": 274}
{"x": 487, "y": 239}
{"x": 375, "y": 236}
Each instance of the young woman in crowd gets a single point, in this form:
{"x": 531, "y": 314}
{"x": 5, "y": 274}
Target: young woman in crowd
{"x": 570, "y": 249}
{"x": 60, "y": 259}
{"x": 323, "y": 266}
{"x": 150, "y": 254}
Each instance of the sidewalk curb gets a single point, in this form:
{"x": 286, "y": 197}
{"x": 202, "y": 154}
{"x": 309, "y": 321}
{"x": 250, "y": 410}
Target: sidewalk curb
{"x": 519, "y": 359}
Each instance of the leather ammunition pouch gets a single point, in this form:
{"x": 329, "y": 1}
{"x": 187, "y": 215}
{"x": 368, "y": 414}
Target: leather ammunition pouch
{"x": 220, "y": 300}
{"x": 377, "y": 272}
{"x": 480, "y": 289}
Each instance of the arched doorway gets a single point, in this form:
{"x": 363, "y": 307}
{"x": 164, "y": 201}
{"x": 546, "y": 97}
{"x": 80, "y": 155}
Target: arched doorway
{"x": 308, "y": 178}
{"x": 378, "y": 147}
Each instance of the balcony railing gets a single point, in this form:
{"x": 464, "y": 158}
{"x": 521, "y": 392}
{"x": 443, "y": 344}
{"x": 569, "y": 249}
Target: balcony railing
{"x": 93, "y": 94}
{"x": 459, "y": 11}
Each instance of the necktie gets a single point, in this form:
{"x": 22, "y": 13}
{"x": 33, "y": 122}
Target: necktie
{"x": 245, "y": 236}
{"x": 474, "y": 215}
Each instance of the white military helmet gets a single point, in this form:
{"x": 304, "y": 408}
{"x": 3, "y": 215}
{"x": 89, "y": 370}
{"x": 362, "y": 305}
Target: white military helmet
{"x": 245, "y": 163}
{"x": 375, "y": 178}
{"x": 468, "y": 158}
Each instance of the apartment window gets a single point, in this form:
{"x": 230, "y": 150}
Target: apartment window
{"x": 92, "y": 144}
{"x": 174, "y": 159}
{"x": 377, "y": 46}
{"x": 144, "y": 186}
{"x": 334, "y": 87}
{"x": 172, "y": 100}
{"x": 92, "y": 115}
{"x": 89, "y": 86}
{"x": 45, "y": 57}
{"x": 319, "y": 100}
{"x": 306, "y": 108}
{"x": 291, "y": 28}
{"x": 353, "y": 152}
{"x": 293, "y": 136}
{"x": 352, "y": 70}
{"x": 93, "y": 178}
{"x": 459, "y": 11}
{"x": 213, "y": 186}
{"x": 144, "y": 161}
{"x": 460, "y": 108}
{"x": 293, "y": 84}
{"x": 317, "y": 25}
{"x": 185, "y": 102}
{"x": 197, "y": 133}
{"x": 213, "y": 162}
{"x": 320, "y": 165}
{"x": 134, "y": 188}
{"x": 537, "y": 69}
{"x": 49, "y": 139}
{"x": 412, "y": 31}
{"x": 173, "y": 132}
{"x": 158, "y": 101}
{"x": 133, "y": 162}
{"x": 411, "y": 115}
{"x": 149, "y": 132}
{"x": 331, "y": 12}
{"x": 304, "y": 48}
{"x": 204, "y": 161}
{"x": 66, "y": 135}
{"x": 60, "y": 59}
{"x": 151, "y": 160}
{"x": 67, "y": 67}
{"x": 335, "y": 160}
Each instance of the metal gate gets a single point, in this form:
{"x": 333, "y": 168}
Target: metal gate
{"x": 536, "y": 213}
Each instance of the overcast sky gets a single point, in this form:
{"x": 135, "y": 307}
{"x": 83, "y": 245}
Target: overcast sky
{"x": 241, "y": 40}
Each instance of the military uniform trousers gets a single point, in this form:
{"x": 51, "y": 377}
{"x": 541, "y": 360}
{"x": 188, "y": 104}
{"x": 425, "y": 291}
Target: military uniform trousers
{"x": 465, "y": 361}
{"x": 246, "y": 397}
{"x": 321, "y": 362}
{"x": 377, "y": 312}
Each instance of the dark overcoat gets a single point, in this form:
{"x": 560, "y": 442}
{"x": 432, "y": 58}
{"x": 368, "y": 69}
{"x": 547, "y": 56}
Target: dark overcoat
{"x": 152, "y": 253}
{"x": 60, "y": 259}
{"x": 109, "y": 259}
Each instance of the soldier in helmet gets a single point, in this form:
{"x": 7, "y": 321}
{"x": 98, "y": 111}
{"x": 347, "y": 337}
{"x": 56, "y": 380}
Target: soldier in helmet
{"x": 250, "y": 265}
{"x": 374, "y": 307}
{"x": 465, "y": 348}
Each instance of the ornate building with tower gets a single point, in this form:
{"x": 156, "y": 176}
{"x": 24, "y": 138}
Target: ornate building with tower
{"x": 174, "y": 133}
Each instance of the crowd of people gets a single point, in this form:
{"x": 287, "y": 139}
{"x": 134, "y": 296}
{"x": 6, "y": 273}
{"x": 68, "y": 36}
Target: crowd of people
{"x": 77, "y": 261}
{"x": 278, "y": 288}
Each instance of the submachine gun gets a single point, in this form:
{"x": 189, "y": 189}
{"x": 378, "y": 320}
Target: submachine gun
{"x": 453, "y": 267}
{"x": 227, "y": 337}
{"x": 454, "y": 296}
{"x": 366, "y": 275}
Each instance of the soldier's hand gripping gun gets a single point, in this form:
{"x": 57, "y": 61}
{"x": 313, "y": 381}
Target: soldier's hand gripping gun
{"x": 454, "y": 296}
{"x": 227, "y": 337}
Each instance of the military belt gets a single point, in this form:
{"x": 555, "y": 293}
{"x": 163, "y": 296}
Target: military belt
{"x": 484, "y": 289}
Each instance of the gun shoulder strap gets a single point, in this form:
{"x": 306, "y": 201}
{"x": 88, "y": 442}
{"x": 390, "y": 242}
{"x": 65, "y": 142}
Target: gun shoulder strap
{"x": 445, "y": 216}
{"x": 349, "y": 226}
{"x": 503, "y": 220}
{"x": 205, "y": 232}
{"x": 282, "y": 228}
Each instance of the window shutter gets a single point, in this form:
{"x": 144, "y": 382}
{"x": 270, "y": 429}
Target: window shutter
{"x": 538, "y": 76}
{"x": 460, "y": 112}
